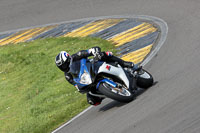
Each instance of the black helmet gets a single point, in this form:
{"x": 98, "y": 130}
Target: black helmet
{"x": 63, "y": 61}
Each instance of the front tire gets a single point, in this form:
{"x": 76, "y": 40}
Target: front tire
{"x": 125, "y": 96}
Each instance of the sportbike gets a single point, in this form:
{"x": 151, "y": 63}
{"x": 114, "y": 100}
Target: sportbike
{"x": 109, "y": 79}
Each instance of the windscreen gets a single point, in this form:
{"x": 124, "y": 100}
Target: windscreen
{"x": 75, "y": 68}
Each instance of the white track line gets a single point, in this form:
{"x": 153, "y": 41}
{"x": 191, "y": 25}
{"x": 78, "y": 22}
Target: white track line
{"x": 72, "y": 119}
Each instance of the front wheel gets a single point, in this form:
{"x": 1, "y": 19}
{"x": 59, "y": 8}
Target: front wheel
{"x": 121, "y": 94}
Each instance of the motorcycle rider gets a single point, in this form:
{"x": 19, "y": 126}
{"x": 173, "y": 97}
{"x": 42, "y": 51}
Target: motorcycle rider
{"x": 63, "y": 61}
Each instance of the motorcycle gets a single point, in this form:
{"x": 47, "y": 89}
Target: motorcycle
{"x": 109, "y": 79}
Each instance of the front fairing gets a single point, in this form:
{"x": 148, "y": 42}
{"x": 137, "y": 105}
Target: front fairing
{"x": 81, "y": 71}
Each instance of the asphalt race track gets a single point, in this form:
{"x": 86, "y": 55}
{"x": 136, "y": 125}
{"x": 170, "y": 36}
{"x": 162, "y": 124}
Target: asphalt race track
{"x": 172, "y": 105}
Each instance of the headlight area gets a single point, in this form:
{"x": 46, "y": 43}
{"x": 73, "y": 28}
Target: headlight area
{"x": 85, "y": 79}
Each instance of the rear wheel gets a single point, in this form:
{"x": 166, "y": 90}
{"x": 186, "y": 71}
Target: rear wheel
{"x": 144, "y": 79}
{"x": 121, "y": 94}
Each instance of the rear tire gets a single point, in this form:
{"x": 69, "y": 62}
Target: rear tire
{"x": 105, "y": 89}
{"x": 144, "y": 79}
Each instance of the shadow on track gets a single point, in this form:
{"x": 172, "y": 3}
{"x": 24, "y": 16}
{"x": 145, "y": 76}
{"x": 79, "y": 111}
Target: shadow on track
{"x": 111, "y": 105}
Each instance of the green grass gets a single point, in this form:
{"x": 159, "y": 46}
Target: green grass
{"x": 34, "y": 95}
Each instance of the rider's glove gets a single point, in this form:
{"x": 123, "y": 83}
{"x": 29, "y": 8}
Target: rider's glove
{"x": 98, "y": 56}
{"x": 94, "y": 51}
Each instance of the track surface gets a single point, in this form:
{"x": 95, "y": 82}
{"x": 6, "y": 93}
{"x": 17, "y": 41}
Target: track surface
{"x": 172, "y": 105}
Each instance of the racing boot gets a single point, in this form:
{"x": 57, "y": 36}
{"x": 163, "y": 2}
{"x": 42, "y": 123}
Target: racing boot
{"x": 128, "y": 64}
{"x": 93, "y": 100}
{"x": 135, "y": 67}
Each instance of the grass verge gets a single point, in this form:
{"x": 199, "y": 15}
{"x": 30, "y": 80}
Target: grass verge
{"x": 34, "y": 95}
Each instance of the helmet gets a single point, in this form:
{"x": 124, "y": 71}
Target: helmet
{"x": 63, "y": 61}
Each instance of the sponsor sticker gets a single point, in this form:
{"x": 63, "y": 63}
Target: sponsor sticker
{"x": 108, "y": 67}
